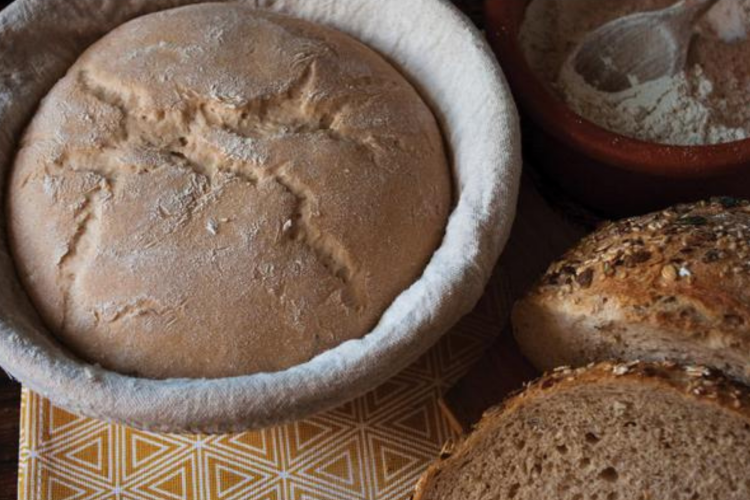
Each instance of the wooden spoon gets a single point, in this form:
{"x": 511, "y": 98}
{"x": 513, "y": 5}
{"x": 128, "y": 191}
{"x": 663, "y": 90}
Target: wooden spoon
{"x": 639, "y": 47}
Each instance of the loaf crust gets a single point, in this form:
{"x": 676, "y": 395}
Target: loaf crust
{"x": 214, "y": 191}
{"x": 695, "y": 383}
{"x": 668, "y": 285}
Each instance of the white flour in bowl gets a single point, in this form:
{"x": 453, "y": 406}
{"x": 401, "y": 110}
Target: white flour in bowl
{"x": 707, "y": 103}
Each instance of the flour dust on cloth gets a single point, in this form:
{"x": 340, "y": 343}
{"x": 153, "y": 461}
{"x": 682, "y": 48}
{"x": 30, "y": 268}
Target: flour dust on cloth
{"x": 446, "y": 59}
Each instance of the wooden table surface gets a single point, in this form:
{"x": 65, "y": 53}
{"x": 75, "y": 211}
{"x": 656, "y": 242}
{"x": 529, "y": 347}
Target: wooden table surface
{"x": 10, "y": 401}
{"x": 544, "y": 228}
{"x": 10, "y": 391}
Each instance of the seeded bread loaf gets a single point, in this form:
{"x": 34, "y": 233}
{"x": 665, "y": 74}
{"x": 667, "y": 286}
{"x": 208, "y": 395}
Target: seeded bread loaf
{"x": 216, "y": 190}
{"x": 669, "y": 285}
{"x": 638, "y": 431}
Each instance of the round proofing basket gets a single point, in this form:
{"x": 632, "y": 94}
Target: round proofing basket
{"x": 449, "y": 62}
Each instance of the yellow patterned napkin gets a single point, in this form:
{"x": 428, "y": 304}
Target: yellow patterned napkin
{"x": 373, "y": 448}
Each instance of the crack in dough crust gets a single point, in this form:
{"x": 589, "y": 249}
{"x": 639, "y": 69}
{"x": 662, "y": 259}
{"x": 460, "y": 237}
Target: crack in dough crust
{"x": 213, "y": 191}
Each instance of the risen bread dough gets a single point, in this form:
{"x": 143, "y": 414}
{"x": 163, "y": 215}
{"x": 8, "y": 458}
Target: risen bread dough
{"x": 215, "y": 190}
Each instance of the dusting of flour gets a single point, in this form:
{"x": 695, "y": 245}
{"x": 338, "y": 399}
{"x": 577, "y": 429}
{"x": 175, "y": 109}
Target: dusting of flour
{"x": 707, "y": 103}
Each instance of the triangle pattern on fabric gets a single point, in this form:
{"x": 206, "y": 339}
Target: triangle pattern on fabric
{"x": 340, "y": 468}
{"x": 460, "y": 349}
{"x": 60, "y": 488}
{"x": 255, "y": 445}
{"x": 396, "y": 463}
{"x": 426, "y": 367}
{"x": 387, "y": 394}
{"x": 228, "y": 479}
{"x": 419, "y": 421}
{"x": 176, "y": 483}
{"x": 274, "y": 494}
{"x": 57, "y": 490}
{"x": 60, "y": 420}
{"x": 310, "y": 436}
{"x": 348, "y": 412}
{"x": 142, "y": 450}
{"x": 423, "y": 421}
{"x": 88, "y": 455}
{"x": 305, "y": 492}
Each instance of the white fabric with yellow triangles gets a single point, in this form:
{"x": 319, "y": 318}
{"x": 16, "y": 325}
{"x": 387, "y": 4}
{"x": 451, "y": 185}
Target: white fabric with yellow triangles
{"x": 374, "y": 447}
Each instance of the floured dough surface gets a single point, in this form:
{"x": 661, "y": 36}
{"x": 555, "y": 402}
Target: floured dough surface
{"x": 215, "y": 190}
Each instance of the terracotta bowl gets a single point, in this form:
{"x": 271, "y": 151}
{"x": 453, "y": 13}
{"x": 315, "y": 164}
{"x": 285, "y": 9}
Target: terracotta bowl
{"x": 607, "y": 172}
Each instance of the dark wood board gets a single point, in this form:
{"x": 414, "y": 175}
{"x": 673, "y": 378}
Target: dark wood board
{"x": 540, "y": 234}
{"x": 10, "y": 404}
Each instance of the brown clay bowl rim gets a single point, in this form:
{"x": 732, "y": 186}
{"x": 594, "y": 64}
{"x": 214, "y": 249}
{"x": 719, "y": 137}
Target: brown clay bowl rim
{"x": 554, "y": 116}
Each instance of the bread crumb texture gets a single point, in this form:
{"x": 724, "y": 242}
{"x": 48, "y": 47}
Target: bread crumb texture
{"x": 667, "y": 285}
{"x": 635, "y": 431}
{"x": 215, "y": 190}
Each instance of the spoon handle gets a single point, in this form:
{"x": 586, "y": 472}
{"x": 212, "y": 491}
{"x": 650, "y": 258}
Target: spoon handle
{"x": 697, "y": 5}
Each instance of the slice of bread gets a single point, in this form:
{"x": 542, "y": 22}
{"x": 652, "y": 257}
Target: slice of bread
{"x": 637, "y": 431}
{"x": 669, "y": 285}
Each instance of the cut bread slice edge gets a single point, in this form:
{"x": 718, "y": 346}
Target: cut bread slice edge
{"x": 611, "y": 431}
{"x": 670, "y": 285}
{"x": 552, "y": 334}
